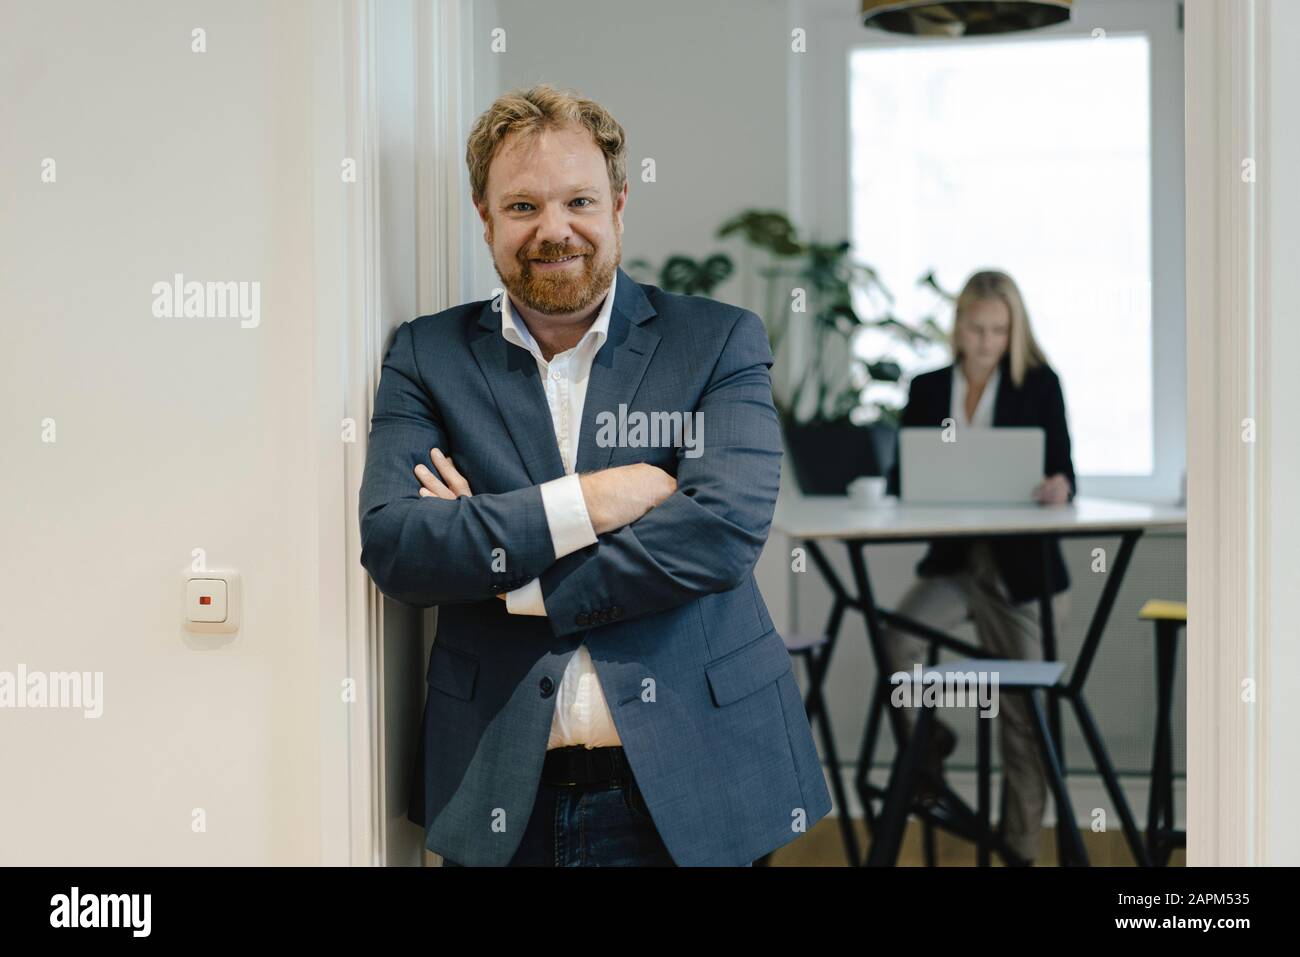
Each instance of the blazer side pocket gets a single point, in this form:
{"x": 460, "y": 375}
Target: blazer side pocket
{"x": 452, "y": 672}
{"x": 747, "y": 669}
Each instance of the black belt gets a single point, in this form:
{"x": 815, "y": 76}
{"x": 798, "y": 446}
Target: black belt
{"x": 579, "y": 766}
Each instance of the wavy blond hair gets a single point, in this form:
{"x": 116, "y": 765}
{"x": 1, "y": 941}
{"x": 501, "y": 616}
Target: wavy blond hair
{"x": 1023, "y": 348}
{"x": 528, "y": 112}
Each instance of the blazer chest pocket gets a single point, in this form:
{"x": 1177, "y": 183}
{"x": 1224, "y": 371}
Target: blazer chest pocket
{"x": 452, "y": 672}
{"x": 746, "y": 670}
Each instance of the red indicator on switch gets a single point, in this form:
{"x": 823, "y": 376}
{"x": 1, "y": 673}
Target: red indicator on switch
{"x": 205, "y": 600}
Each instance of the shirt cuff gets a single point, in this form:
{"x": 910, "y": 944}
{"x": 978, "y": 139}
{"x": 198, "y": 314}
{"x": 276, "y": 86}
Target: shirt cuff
{"x": 527, "y": 600}
{"x": 566, "y": 514}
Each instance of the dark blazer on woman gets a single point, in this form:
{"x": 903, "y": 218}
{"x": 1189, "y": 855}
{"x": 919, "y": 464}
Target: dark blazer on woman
{"x": 1039, "y": 402}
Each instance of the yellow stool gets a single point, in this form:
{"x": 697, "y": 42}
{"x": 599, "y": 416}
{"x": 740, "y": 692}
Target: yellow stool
{"x": 1170, "y": 617}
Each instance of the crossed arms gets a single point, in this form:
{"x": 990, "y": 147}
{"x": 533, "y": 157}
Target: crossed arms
{"x": 704, "y": 537}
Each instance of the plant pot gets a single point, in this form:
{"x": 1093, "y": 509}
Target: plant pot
{"x": 827, "y": 456}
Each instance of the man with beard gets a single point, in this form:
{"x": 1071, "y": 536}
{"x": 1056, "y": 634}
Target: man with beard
{"x": 606, "y": 687}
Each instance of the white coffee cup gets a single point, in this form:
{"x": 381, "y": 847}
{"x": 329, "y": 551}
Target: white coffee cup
{"x": 867, "y": 490}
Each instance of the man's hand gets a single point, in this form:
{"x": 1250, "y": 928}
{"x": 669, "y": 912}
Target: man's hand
{"x": 619, "y": 496}
{"x": 1053, "y": 490}
{"x": 452, "y": 484}
{"x": 614, "y": 497}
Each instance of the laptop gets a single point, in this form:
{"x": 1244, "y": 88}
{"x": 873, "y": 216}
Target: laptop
{"x": 998, "y": 466}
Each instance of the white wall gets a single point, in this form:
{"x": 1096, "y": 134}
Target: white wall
{"x": 172, "y": 434}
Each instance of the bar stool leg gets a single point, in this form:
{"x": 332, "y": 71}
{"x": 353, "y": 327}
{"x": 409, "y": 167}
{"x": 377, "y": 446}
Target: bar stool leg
{"x": 927, "y": 826}
{"x": 1162, "y": 784}
{"x": 984, "y": 761}
{"x": 1064, "y": 810}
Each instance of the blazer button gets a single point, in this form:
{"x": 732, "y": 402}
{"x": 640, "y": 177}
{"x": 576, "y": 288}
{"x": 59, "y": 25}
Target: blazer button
{"x": 616, "y": 612}
{"x": 582, "y": 619}
{"x": 547, "y": 686}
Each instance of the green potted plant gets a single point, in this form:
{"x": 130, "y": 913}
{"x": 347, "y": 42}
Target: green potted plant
{"x": 838, "y": 422}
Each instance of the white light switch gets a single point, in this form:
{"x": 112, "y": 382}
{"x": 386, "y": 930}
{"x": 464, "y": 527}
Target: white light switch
{"x": 206, "y": 599}
{"x": 212, "y": 600}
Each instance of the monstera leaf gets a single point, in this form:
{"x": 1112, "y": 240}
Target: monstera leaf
{"x": 685, "y": 275}
{"x": 766, "y": 229}
{"x": 885, "y": 371}
{"x": 841, "y": 296}
{"x": 929, "y": 280}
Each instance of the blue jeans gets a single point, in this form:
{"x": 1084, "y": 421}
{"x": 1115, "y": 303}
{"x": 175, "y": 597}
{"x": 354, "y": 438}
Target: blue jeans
{"x": 601, "y": 826}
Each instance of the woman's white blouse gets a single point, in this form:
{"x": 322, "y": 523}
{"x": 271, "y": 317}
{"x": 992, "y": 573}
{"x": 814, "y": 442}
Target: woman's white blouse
{"x": 983, "y": 417}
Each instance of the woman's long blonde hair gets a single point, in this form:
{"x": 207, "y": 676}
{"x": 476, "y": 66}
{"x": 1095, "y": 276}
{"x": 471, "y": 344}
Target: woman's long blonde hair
{"x": 1024, "y": 350}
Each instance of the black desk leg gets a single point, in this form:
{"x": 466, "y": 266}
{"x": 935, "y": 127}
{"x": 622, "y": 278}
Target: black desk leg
{"x": 867, "y": 753}
{"x": 1047, "y": 626}
{"x": 1102, "y": 759}
{"x": 888, "y": 836}
{"x": 1074, "y": 850}
{"x": 820, "y": 713}
{"x": 866, "y": 603}
{"x": 816, "y": 704}
{"x": 1073, "y": 691}
{"x": 875, "y": 634}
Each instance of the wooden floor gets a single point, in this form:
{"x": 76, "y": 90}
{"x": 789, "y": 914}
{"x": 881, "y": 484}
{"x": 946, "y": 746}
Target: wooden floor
{"x": 822, "y": 847}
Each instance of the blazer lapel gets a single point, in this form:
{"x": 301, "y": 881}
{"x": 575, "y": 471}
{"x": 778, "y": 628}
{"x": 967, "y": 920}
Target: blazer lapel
{"x": 943, "y": 396}
{"x": 511, "y": 374}
{"x": 618, "y": 368}
{"x": 1006, "y": 407}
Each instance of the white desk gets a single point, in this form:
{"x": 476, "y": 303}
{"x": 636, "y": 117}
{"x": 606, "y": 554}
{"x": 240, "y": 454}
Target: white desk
{"x": 816, "y": 520}
{"x": 837, "y": 517}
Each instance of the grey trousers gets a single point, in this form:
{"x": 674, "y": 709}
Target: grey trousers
{"x": 1007, "y": 630}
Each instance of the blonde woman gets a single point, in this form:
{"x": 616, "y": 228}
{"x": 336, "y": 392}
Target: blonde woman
{"x": 999, "y": 377}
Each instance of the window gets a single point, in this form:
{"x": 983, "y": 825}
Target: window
{"x": 1032, "y": 156}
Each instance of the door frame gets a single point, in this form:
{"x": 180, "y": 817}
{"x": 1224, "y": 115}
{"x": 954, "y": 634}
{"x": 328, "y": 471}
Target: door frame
{"x": 1242, "y": 242}
{"x": 1236, "y": 241}
{"x": 390, "y": 87}
{"x": 346, "y": 256}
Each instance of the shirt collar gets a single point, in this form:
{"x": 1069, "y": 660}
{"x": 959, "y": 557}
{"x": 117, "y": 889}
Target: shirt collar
{"x": 516, "y": 330}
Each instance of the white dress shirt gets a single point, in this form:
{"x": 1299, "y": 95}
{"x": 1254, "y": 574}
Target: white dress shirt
{"x": 983, "y": 417}
{"x": 581, "y": 712}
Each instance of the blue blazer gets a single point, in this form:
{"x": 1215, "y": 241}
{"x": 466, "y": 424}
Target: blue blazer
{"x": 1038, "y": 401}
{"x": 698, "y": 681}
